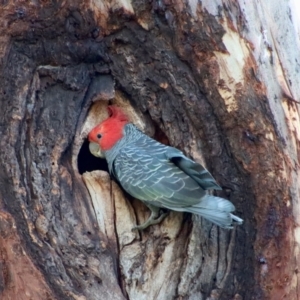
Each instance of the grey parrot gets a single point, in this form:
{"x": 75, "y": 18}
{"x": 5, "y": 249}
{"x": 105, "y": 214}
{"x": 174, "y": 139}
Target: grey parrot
{"x": 161, "y": 176}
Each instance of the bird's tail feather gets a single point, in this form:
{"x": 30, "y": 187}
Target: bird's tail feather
{"x": 216, "y": 210}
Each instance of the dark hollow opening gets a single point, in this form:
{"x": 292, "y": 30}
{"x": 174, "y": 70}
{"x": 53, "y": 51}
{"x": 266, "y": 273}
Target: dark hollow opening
{"x": 87, "y": 162}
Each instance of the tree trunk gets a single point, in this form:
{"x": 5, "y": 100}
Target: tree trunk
{"x": 217, "y": 80}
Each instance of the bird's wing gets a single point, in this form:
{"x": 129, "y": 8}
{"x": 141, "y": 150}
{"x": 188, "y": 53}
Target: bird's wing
{"x": 155, "y": 180}
{"x": 193, "y": 169}
{"x": 188, "y": 166}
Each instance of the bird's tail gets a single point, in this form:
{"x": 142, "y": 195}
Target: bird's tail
{"x": 216, "y": 210}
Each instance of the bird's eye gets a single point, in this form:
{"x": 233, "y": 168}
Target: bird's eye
{"x": 99, "y": 136}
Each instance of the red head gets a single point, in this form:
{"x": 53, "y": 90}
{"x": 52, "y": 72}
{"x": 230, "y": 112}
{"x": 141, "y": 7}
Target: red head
{"x": 110, "y": 131}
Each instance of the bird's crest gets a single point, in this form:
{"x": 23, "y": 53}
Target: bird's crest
{"x": 116, "y": 113}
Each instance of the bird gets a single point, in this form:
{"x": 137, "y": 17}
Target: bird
{"x": 161, "y": 176}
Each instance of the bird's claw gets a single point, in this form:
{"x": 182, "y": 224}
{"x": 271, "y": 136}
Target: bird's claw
{"x": 150, "y": 221}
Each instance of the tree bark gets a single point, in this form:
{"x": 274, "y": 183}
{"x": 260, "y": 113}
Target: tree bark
{"x": 218, "y": 80}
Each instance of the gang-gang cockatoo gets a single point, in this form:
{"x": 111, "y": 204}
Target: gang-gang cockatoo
{"x": 160, "y": 176}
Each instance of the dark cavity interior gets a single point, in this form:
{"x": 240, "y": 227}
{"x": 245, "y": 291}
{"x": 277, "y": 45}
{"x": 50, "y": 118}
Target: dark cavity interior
{"x": 88, "y": 162}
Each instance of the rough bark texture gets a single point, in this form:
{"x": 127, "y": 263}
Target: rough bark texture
{"x": 217, "y": 80}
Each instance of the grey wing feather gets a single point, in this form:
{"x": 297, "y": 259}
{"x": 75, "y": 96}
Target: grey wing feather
{"x": 193, "y": 169}
{"x": 151, "y": 179}
{"x": 188, "y": 166}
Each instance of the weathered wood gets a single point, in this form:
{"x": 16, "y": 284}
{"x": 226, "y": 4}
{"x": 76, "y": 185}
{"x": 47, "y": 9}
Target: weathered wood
{"x": 217, "y": 80}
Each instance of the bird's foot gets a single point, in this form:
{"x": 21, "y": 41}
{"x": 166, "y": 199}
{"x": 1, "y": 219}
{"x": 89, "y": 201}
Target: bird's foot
{"x": 153, "y": 220}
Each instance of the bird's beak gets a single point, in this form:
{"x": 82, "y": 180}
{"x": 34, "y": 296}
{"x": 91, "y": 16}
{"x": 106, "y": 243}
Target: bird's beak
{"x": 95, "y": 150}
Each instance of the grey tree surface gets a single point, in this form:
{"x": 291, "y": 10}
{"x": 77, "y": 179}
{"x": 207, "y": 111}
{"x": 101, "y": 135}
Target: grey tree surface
{"x": 217, "y": 79}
